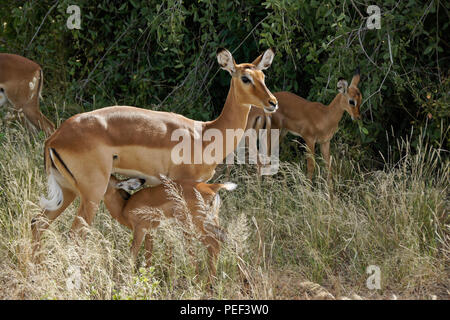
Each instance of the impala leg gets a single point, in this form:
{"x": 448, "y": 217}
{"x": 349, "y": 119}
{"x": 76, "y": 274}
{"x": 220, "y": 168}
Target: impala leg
{"x": 43, "y": 221}
{"x": 148, "y": 244}
{"x": 20, "y": 116}
{"x": 92, "y": 189}
{"x": 325, "y": 150}
{"x": 85, "y": 214}
{"x": 274, "y": 149}
{"x": 310, "y": 161}
{"x": 213, "y": 247}
{"x": 210, "y": 240}
{"x": 35, "y": 116}
{"x": 267, "y": 144}
{"x": 138, "y": 238}
{"x": 168, "y": 253}
{"x": 282, "y": 134}
{"x": 253, "y": 143}
{"x": 190, "y": 250}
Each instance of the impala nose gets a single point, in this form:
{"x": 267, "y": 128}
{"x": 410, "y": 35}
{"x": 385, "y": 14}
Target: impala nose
{"x": 272, "y": 108}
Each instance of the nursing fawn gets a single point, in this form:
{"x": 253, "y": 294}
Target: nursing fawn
{"x": 142, "y": 211}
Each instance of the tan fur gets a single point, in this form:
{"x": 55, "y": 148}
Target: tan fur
{"x": 140, "y": 214}
{"x": 313, "y": 121}
{"x": 94, "y": 144}
{"x": 22, "y": 79}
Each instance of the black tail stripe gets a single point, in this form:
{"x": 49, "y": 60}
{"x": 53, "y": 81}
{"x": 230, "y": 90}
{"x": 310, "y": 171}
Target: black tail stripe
{"x": 65, "y": 167}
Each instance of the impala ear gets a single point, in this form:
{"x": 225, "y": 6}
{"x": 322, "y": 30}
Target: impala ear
{"x": 356, "y": 78}
{"x": 264, "y": 61}
{"x": 342, "y": 85}
{"x": 226, "y": 60}
{"x": 130, "y": 184}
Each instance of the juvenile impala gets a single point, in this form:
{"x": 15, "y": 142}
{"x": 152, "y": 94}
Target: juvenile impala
{"x": 141, "y": 212}
{"x": 21, "y": 84}
{"x": 81, "y": 155}
{"x": 313, "y": 121}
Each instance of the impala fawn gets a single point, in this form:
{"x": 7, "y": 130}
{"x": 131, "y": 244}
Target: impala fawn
{"x": 313, "y": 121}
{"x": 142, "y": 211}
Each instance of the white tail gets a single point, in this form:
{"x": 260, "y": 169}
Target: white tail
{"x": 215, "y": 206}
{"x": 55, "y": 195}
{"x": 230, "y": 186}
{"x": 3, "y": 98}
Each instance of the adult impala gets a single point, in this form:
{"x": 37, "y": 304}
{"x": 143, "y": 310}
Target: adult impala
{"x": 141, "y": 212}
{"x": 313, "y": 121}
{"x": 81, "y": 155}
{"x": 21, "y": 84}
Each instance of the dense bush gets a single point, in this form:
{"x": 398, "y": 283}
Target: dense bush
{"x": 161, "y": 55}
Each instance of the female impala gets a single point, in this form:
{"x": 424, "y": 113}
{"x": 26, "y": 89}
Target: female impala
{"x": 21, "y": 84}
{"x": 81, "y": 155}
{"x": 313, "y": 121}
{"x": 141, "y": 211}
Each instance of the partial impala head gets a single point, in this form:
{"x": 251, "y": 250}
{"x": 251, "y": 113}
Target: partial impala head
{"x": 248, "y": 79}
{"x": 123, "y": 187}
{"x": 352, "y": 96}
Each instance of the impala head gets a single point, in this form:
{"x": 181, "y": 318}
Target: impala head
{"x": 248, "y": 79}
{"x": 123, "y": 187}
{"x": 352, "y": 96}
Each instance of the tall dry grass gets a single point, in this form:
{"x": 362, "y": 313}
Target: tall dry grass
{"x": 286, "y": 239}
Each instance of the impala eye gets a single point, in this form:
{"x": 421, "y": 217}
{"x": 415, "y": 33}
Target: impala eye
{"x": 245, "y": 79}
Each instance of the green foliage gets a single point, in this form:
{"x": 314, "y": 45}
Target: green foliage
{"x": 161, "y": 55}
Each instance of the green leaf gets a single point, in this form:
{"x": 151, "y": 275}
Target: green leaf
{"x": 365, "y": 131}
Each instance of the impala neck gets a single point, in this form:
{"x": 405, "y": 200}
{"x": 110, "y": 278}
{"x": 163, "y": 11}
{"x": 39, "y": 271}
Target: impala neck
{"x": 335, "y": 111}
{"x": 233, "y": 116}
